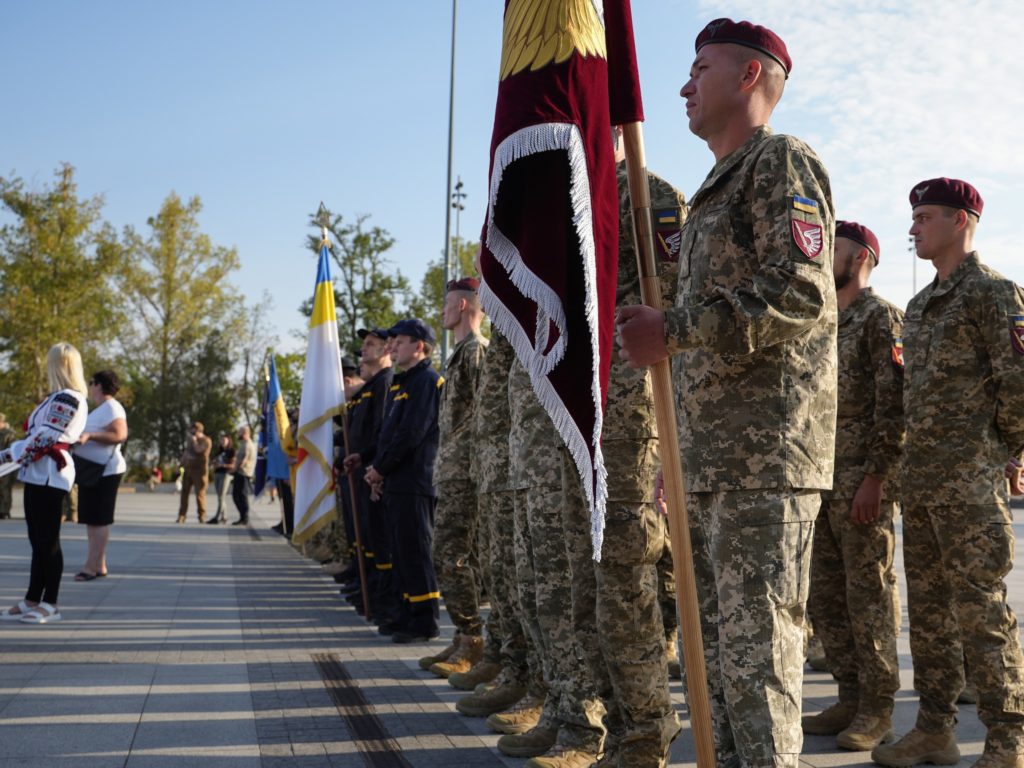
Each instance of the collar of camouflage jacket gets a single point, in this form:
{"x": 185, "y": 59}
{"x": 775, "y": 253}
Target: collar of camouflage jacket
{"x": 970, "y": 264}
{"x": 846, "y": 314}
{"x": 724, "y": 167}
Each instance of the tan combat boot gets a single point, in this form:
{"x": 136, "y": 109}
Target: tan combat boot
{"x": 675, "y": 669}
{"x": 494, "y": 699}
{"x": 518, "y": 718}
{"x": 918, "y": 747}
{"x": 482, "y": 672}
{"x": 469, "y": 652}
{"x": 533, "y": 743}
{"x": 560, "y": 757}
{"x": 991, "y": 759}
{"x": 816, "y": 655}
{"x": 866, "y": 732}
{"x": 831, "y": 721}
{"x": 428, "y": 661}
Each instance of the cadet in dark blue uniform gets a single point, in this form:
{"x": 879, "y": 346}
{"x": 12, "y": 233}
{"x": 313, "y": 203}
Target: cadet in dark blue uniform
{"x": 403, "y": 467}
{"x": 366, "y": 415}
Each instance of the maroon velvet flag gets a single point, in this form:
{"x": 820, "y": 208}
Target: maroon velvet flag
{"x": 549, "y": 253}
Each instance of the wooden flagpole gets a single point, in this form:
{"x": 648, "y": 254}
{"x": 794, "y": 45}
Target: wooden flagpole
{"x": 697, "y": 698}
{"x": 367, "y": 614}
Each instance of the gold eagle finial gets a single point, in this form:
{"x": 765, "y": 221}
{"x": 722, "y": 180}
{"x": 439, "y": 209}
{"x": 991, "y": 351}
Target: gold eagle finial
{"x": 539, "y": 32}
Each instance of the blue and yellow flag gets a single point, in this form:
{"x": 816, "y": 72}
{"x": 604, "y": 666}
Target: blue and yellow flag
{"x": 323, "y": 396}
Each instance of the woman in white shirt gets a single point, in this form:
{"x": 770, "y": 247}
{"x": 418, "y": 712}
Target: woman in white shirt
{"x": 105, "y": 430}
{"x": 48, "y": 474}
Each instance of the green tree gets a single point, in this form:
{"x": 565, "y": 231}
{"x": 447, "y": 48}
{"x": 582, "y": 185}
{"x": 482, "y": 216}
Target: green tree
{"x": 57, "y": 267}
{"x": 366, "y": 292}
{"x": 190, "y": 326}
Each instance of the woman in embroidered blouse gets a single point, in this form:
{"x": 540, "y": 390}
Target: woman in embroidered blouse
{"x": 48, "y": 474}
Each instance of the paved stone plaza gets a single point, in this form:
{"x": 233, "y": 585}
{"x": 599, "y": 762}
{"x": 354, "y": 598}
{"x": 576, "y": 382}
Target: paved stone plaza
{"x": 221, "y": 647}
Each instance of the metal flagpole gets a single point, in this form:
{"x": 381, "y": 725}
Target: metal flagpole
{"x": 448, "y": 182}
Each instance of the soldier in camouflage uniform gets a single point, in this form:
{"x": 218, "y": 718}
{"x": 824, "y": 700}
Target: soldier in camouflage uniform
{"x": 632, "y": 670}
{"x": 7, "y": 481}
{"x": 569, "y": 729}
{"x": 455, "y": 527}
{"x": 964, "y": 404}
{"x": 754, "y": 329}
{"x": 853, "y": 601}
{"x": 496, "y": 504}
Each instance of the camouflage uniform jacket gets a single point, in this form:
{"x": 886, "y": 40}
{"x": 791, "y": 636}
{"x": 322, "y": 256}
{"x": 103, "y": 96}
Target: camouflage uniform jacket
{"x": 492, "y": 420}
{"x": 964, "y": 391}
{"x": 754, "y": 322}
{"x": 629, "y": 410}
{"x": 455, "y": 417}
{"x": 6, "y": 437}
{"x": 869, "y": 427}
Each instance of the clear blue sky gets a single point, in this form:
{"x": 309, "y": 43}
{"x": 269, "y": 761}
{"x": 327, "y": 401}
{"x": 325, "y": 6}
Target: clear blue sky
{"x": 263, "y": 109}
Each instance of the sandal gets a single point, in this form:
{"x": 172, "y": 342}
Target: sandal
{"x": 83, "y": 576}
{"x": 42, "y": 614}
{"x": 15, "y": 612}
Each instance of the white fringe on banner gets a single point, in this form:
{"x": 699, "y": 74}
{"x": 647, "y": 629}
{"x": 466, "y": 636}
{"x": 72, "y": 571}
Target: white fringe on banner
{"x": 528, "y": 141}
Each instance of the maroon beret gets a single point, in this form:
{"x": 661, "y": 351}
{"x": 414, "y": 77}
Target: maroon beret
{"x": 463, "y": 284}
{"x": 746, "y": 34}
{"x": 950, "y": 192}
{"x": 851, "y": 230}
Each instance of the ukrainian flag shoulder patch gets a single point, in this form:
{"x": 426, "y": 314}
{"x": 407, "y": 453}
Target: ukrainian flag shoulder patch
{"x": 804, "y": 204}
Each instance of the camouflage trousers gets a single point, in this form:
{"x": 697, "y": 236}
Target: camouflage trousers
{"x": 454, "y": 553}
{"x": 752, "y": 563}
{"x": 854, "y": 604}
{"x": 548, "y": 586}
{"x": 956, "y": 559}
{"x": 6, "y": 486}
{"x": 505, "y": 622}
{"x": 667, "y": 590}
{"x": 631, "y": 673}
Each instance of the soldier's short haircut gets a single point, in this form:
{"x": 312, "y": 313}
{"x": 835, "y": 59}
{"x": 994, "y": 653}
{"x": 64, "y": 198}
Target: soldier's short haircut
{"x": 773, "y": 75}
{"x": 428, "y": 348}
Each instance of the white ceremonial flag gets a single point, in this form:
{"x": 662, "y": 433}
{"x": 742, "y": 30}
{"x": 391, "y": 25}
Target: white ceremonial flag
{"x": 323, "y": 397}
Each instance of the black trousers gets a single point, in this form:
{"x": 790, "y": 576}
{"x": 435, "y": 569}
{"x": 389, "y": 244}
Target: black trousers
{"x": 44, "y": 510}
{"x": 385, "y": 598}
{"x": 416, "y": 582}
{"x": 284, "y": 490}
{"x": 241, "y": 492}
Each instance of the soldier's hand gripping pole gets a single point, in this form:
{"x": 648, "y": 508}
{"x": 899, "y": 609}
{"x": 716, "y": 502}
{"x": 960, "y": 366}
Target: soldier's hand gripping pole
{"x": 668, "y": 438}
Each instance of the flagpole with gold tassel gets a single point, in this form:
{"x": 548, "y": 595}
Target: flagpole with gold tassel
{"x": 697, "y": 698}
{"x": 360, "y": 559}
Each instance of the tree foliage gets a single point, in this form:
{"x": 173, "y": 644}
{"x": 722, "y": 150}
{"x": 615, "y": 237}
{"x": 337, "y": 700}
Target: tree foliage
{"x": 190, "y": 322}
{"x": 57, "y": 264}
{"x": 367, "y": 292}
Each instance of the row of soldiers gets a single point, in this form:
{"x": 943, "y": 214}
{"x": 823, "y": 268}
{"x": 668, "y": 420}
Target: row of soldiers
{"x": 807, "y": 407}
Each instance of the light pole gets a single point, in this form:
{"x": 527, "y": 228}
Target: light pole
{"x": 457, "y": 197}
{"x": 448, "y": 182}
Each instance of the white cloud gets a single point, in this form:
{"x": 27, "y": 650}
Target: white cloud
{"x": 889, "y": 94}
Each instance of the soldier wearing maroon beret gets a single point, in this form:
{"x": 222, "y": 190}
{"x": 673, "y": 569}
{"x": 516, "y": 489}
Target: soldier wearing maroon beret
{"x": 853, "y": 601}
{"x": 754, "y": 330}
{"x": 964, "y": 404}
{"x": 457, "y": 518}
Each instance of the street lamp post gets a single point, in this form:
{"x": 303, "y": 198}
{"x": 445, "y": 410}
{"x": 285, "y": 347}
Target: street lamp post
{"x": 457, "y": 197}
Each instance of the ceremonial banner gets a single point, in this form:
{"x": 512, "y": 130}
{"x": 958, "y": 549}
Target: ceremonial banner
{"x": 259, "y": 481}
{"x": 323, "y": 396}
{"x": 549, "y": 255}
{"x": 277, "y": 424}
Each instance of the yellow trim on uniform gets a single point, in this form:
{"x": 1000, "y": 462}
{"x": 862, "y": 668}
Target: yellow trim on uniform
{"x": 423, "y": 598}
{"x": 440, "y": 381}
{"x": 383, "y": 566}
{"x": 402, "y": 396}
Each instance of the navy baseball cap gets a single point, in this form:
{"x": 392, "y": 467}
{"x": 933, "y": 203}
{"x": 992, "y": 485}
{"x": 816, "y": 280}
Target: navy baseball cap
{"x": 380, "y": 333}
{"x": 414, "y": 328}
{"x": 349, "y": 364}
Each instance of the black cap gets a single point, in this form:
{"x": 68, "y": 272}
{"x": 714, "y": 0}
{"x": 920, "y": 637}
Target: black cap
{"x": 349, "y": 364}
{"x": 380, "y": 333}
{"x": 414, "y": 328}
